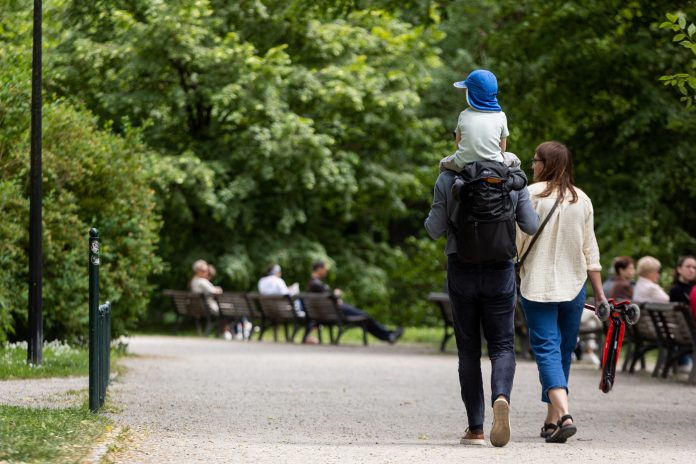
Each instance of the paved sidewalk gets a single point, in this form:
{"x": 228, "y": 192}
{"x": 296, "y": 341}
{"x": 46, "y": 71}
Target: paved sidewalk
{"x": 54, "y": 392}
{"x": 196, "y": 400}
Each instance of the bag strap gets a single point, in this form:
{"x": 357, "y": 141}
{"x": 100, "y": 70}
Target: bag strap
{"x": 541, "y": 228}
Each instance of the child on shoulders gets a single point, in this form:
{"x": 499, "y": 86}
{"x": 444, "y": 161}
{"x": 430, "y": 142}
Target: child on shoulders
{"x": 481, "y": 132}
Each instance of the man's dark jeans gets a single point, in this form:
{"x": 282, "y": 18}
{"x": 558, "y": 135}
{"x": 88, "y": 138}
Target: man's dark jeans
{"x": 373, "y": 327}
{"x": 483, "y": 296}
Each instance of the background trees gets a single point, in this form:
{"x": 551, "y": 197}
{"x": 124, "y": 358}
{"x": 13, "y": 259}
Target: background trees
{"x": 294, "y": 131}
{"x": 91, "y": 177}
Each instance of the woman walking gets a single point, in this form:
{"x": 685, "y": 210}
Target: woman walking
{"x": 554, "y": 273}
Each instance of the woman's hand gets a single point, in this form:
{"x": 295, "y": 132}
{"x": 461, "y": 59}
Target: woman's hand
{"x": 596, "y": 282}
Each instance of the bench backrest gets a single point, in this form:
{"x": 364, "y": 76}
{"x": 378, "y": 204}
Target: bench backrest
{"x": 442, "y": 300}
{"x": 321, "y": 307}
{"x": 645, "y": 327}
{"x": 235, "y": 304}
{"x": 274, "y": 307}
{"x": 673, "y": 321}
{"x": 187, "y": 303}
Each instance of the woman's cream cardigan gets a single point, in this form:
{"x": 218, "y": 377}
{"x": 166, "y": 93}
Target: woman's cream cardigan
{"x": 556, "y": 268}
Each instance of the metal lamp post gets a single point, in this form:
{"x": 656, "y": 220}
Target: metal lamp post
{"x": 35, "y": 354}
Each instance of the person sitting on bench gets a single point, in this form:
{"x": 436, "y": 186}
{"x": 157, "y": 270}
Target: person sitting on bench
{"x": 316, "y": 284}
{"x": 201, "y": 284}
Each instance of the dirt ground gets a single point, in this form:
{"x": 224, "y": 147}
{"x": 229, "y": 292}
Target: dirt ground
{"x": 202, "y": 400}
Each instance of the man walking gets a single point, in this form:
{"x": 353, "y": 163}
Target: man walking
{"x": 480, "y": 213}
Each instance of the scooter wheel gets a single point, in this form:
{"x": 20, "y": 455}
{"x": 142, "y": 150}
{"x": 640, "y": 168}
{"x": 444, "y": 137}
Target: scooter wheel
{"x": 603, "y": 310}
{"x": 632, "y": 313}
{"x": 606, "y": 385}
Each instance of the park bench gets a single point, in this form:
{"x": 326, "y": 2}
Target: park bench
{"x": 276, "y": 311}
{"x": 676, "y": 335}
{"x": 188, "y": 305}
{"x": 641, "y": 339}
{"x": 442, "y": 301}
{"x": 322, "y": 309}
{"x": 235, "y": 307}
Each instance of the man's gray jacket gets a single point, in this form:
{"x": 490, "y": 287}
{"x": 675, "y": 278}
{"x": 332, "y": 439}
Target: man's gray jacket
{"x": 443, "y": 211}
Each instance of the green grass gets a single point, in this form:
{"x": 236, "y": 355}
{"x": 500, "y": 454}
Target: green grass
{"x": 431, "y": 336}
{"x": 426, "y": 335}
{"x": 59, "y": 360}
{"x": 48, "y": 435}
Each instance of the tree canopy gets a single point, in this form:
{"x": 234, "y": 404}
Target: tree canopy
{"x": 294, "y": 131}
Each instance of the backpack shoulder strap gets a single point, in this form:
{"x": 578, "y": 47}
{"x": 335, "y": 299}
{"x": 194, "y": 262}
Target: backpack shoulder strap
{"x": 541, "y": 228}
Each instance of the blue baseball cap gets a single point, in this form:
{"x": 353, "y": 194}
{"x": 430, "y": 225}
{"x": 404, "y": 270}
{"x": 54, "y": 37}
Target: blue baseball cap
{"x": 482, "y": 89}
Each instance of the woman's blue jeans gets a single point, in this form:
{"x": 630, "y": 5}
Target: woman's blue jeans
{"x": 553, "y": 335}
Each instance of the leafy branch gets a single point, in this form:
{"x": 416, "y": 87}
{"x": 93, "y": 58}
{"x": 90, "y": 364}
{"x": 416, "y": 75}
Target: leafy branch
{"x": 685, "y": 82}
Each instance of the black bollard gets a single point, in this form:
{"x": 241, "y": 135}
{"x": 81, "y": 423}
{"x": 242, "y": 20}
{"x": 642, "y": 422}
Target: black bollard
{"x": 108, "y": 342}
{"x": 104, "y": 349}
{"x": 94, "y": 322}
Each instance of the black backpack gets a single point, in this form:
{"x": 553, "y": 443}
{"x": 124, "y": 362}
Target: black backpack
{"x": 484, "y": 219}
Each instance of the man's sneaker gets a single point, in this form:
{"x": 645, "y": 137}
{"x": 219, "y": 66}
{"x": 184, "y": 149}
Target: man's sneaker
{"x": 500, "y": 433}
{"x": 395, "y": 335}
{"x": 473, "y": 438}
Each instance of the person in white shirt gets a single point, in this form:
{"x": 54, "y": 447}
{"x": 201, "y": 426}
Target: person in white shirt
{"x": 273, "y": 284}
{"x": 647, "y": 289}
{"x": 553, "y": 276}
{"x": 201, "y": 284}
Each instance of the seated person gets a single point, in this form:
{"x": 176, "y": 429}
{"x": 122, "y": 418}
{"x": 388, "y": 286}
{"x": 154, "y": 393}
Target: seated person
{"x": 684, "y": 275}
{"x": 273, "y": 284}
{"x": 609, "y": 282}
{"x": 201, "y": 284}
{"x": 316, "y": 284}
{"x": 588, "y": 323}
{"x": 647, "y": 289}
{"x": 212, "y": 272}
{"x": 624, "y": 271}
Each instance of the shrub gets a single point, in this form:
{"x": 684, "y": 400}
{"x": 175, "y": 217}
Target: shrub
{"x": 90, "y": 178}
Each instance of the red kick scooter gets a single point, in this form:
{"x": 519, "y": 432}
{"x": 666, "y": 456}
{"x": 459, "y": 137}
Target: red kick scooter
{"x": 618, "y": 314}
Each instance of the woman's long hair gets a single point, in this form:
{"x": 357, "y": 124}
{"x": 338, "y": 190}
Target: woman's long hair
{"x": 557, "y": 170}
{"x": 680, "y": 263}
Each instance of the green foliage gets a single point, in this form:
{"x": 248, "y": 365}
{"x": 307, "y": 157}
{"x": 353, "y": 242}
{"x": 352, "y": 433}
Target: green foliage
{"x": 587, "y": 74}
{"x": 300, "y": 144}
{"x": 685, "y": 36}
{"x": 302, "y": 130}
{"x": 90, "y": 178}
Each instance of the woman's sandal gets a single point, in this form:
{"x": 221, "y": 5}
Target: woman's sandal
{"x": 562, "y": 432}
{"x": 547, "y": 430}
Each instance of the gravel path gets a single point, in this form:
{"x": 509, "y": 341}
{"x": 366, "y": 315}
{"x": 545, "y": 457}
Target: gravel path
{"x": 55, "y": 392}
{"x": 195, "y": 400}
